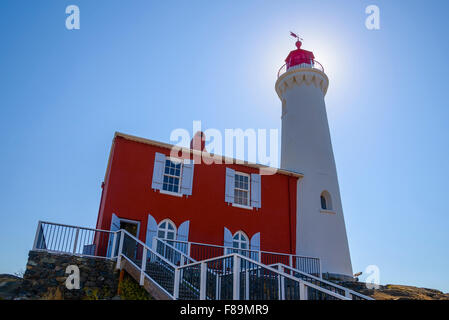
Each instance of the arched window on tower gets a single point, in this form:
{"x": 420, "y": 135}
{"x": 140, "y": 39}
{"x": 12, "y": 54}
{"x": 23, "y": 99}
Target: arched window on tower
{"x": 326, "y": 201}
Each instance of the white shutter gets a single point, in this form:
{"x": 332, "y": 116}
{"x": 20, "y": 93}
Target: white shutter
{"x": 187, "y": 177}
{"x": 255, "y": 245}
{"x": 255, "y": 191}
{"x": 227, "y": 241}
{"x": 255, "y": 242}
{"x": 230, "y": 185}
{"x": 151, "y": 231}
{"x": 183, "y": 231}
{"x": 115, "y": 225}
{"x": 158, "y": 171}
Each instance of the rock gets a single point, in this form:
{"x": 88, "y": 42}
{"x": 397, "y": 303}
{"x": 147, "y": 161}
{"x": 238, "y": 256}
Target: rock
{"x": 9, "y": 286}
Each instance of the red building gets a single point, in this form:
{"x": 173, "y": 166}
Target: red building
{"x": 150, "y": 193}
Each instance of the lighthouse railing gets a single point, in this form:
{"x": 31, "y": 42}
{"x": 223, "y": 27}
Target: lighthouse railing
{"x": 312, "y": 65}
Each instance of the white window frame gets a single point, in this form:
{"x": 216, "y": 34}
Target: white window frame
{"x": 174, "y": 160}
{"x": 166, "y": 229}
{"x": 247, "y": 242}
{"x": 248, "y": 204}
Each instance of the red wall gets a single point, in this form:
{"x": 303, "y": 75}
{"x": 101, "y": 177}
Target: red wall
{"x": 127, "y": 193}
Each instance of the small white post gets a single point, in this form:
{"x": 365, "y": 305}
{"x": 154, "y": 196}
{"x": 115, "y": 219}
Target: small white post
{"x": 260, "y": 256}
{"x": 154, "y": 244}
{"x": 114, "y": 242}
{"x": 176, "y": 284}
{"x": 281, "y": 287}
{"x": 246, "y": 285}
{"x": 203, "y": 279}
{"x": 302, "y": 291}
{"x": 321, "y": 273}
{"x": 76, "y": 240}
{"x": 290, "y": 261}
{"x": 36, "y": 238}
{"x": 120, "y": 248}
{"x": 144, "y": 266}
{"x": 348, "y": 294}
{"x": 236, "y": 278}
{"x": 189, "y": 246}
{"x": 217, "y": 287}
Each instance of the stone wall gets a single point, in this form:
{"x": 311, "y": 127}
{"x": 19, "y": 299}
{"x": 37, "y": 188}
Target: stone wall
{"x": 45, "y": 277}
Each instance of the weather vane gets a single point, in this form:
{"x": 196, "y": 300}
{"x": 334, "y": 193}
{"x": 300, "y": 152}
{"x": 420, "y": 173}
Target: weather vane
{"x": 295, "y": 36}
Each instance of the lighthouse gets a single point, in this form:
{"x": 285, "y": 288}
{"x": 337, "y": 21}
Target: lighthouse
{"x": 306, "y": 148}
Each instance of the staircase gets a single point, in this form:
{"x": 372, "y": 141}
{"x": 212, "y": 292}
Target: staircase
{"x": 227, "y": 277}
{"x": 167, "y": 272}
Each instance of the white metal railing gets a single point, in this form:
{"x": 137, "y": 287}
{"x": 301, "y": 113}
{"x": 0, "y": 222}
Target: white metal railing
{"x": 202, "y": 251}
{"x": 229, "y": 276}
{"x": 62, "y": 238}
{"x": 312, "y": 65}
{"x": 353, "y": 295}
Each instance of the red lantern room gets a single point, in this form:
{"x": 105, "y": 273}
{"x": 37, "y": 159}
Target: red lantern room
{"x": 299, "y": 56}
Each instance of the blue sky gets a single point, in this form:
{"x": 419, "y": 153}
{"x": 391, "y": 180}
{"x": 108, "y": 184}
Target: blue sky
{"x": 148, "y": 67}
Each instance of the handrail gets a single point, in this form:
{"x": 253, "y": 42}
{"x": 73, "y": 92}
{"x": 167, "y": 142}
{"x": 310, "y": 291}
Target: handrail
{"x": 76, "y": 227}
{"x": 148, "y": 248}
{"x": 173, "y": 248}
{"x": 248, "y": 250}
{"x": 324, "y": 281}
{"x": 261, "y": 265}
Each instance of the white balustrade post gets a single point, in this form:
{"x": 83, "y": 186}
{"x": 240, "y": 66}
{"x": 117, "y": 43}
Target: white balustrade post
{"x": 154, "y": 244}
{"x": 189, "y": 246}
{"x": 120, "y": 249}
{"x": 302, "y": 291}
{"x": 76, "y": 240}
{"x": 217, "y": 287}
{"x": 290, "y": 261}
{"x": 321, "y": 273}
{"x": 176, "y": 284}
{"x": 144, "y": 266}
{"x": 236, "y": 278}
{"x": 348, "y": 294}
{"x": 246, "y": 285}
{"x": 114, "y": 243}
{"x": 36, "y": 238}
{"x": 281, "y": 287}
{"x": 203, "y": 278}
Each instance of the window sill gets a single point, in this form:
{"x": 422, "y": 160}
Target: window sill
{"x": 170, "y": 193}
{"x": 327, "y": 211}
{"x": 242, "y": 206}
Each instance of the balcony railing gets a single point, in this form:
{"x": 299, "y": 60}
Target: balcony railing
{"x": 312, "y": 65}
{"x": 203, "y": 251}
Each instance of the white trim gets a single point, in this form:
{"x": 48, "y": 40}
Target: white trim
{"x": 132, "y": 222}
{"x": 171, "y": 193}
{"x": 328, "y": 211}
{"x": 166, "y": 229}
{"x": 175, "y": 161}
{"x": 242, "y": 206}
{"x": 248, "y": 198}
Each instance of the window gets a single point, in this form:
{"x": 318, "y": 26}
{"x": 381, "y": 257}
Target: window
{"x": 241, "y": 189}
{"x": 326, "y": 201}
{"x": 166, "y": 230}
{"x": 240, "y": 240}
{"x": 172, "y": 176}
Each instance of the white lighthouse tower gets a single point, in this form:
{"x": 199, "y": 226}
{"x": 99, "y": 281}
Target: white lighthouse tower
{"x": 306, "y": 148}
